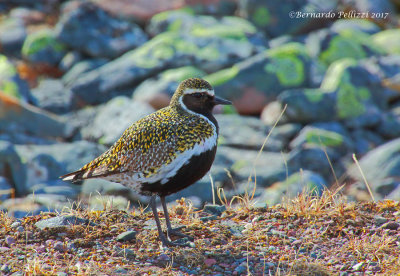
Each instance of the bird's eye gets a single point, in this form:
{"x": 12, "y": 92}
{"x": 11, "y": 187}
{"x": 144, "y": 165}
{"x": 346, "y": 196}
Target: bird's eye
{"x": 197, "y": 95}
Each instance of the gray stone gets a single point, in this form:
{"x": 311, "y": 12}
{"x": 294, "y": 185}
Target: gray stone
{"x": 378, "y": 165}
{"x": 81, "y": 67}
{"x": 308, "y": 105}
{"x": 304, "y": 181}
{"x": 245, "y": 133}
{"x": 69, "y": 60}
{"x": 126, "y": 236}
{"x": 52, "y": 96}
{"x": 6, "y": 189}
{"x": 18, "y": 117}
{"x": 103, "y": 35}
{"x": 214, "y": 209}
{"x": 62, "y": 221}
{"x": 114, "y": 118}
{"x": 362, "y": 25}
{"x": 12, "y": 167}
{"x": 389, "y": 126}
{"x": 365, "y": 140}
{"x": 12, "y": 36}
{"x": 124, "y": 252}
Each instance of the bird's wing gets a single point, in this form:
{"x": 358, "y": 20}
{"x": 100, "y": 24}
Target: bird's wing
{"x": 143, "y": 148}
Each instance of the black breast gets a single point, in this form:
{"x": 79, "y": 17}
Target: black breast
{"x": 188, "y": 174}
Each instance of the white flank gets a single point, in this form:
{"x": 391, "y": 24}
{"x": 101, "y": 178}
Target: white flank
{"x": 196, "y": 90}
{"x": 70, "y": 177}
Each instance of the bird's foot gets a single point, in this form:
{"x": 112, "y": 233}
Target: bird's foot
{"x": 176, "y": 232}
{"x": 180, "y": 242}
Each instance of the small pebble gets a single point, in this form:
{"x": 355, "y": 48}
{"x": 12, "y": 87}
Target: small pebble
{"x": 210, "y": 262}
{"x": 126, "y": 236}
{"x": 379, "y": 220}
{"x": 9, "y": 240}
{"x": 391, "y": 225}
{"x": 15, "y": 224}
{"x": 59, "y": 246}
{"x": 358, "y": 266}
{"x": 5, "y": 268}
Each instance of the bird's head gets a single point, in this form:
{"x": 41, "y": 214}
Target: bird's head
{"x": 196, "y": 95}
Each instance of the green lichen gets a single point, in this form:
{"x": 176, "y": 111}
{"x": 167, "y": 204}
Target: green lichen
{"x": 222, "y": 76}
{"x": 7, "y": 70}
{"x": 349, "y": 44}
{"x": 40, "y": 40}
{"x": 175, "y": 26}
{"x": 286, "y": 63}
{"x": 389, "y": 40}
{"x": 314, "y": 95}
{"x": 239, "y": 23}
{"x": 182, "y": 73}
{"x": 10, "y": 88}
{"x": 209, "y": 52}
{"x": 349, "y": 102}
{"x": 324, "y": 137}
{"x": 219, "y": 31}
{"x": 261, "y": 17}
{"x": 333, "y": 76}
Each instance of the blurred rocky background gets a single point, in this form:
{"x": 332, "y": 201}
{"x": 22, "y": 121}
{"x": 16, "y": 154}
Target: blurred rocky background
{"x": 75, "y": 74}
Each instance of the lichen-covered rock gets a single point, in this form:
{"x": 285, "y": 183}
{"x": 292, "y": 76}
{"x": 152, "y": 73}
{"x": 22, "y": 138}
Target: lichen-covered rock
{"x": 348, "y": 43}
{"x": 12, "y": 36}
{"x": 253, "y": 83}
{"x": 42, "y": 47}
{"x": 308, "y": 105}
{"x": 10, "y": 82}
{"x": 355, "y": 24}
{"x": 21, "y": 118}
{"x": 82, "y": 67}
{"x": 388, "y": 40}
{"x": 356, "y": 88}
{"x": 113, "y": 118}
{"x": 311, "y": 136}
{"x": 286, "y": 16}
{"x": 102, "y": 36}
{"x": 158, "y": 91}
{"x": 166, "y": 50}
{"x": 4, "y": 187}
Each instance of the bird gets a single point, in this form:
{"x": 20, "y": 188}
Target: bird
{"x": 163, "y": 152}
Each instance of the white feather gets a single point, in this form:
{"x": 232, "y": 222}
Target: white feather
{"x": 195, "y": 90}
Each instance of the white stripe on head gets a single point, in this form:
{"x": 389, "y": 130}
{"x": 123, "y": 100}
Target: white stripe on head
{"x": 198, "y": 90}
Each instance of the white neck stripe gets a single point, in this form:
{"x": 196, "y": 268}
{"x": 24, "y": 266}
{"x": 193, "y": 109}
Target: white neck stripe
{"x": 194, "y": 90}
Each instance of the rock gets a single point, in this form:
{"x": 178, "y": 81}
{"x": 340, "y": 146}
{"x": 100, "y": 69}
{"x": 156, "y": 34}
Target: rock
{"x": 10, "y": 82}
{"x": 50, "y": 202}
{"x": 304, "y": 181}
{"x": 5, "y": 188}
{"x": 308, "y": 105}
{"x": 392, "y": 225}
{"x": 12, "y": 36}
{"x": 158, "y": 91}
{"x": 347, "y": 43}
{"x": 142, "y": 10}
{"x": 52, "y": 96}
{"x": 365, "y": 140}
{"x": 388, "y": 40}
{"x": 378, "y": 165}
{"x": 311, "y": 136}
{"x": 100, "y": 202}
{"x": 69, "y": 60}
{"x": 360, "y": 25}
{"x": 42, "y": 47}
{"x": 82, "y": 67}
{"x": 124, "y": 252}
{"x": 245, "y": 133}
{"x": 357, "y": 90}
{"x": 12, "y": 168}
{"x": 21, "y": 118}
{"x": 126, "y": 236}
{"x": 103, "y": 35}
{"x": 389, "y": 126}
{"x": 114, "y": 118}
{"x": 214, "y": 209}
{"x": 314, "y": 159}
{"x": 228, "y": 27}
{"x": 63, "y": 157}
{"x": 258, "y": 80}
{"x": 285, "y": 17}
{"x": 167, "y": 50}
{"x": 377, "y": 7}
{"x": 62, "y": 221}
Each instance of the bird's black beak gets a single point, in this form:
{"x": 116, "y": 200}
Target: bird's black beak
{"x": 218, "y": 101}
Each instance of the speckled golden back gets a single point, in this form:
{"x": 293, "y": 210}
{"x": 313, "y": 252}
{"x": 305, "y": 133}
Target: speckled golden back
{"x": 152, "y": 142}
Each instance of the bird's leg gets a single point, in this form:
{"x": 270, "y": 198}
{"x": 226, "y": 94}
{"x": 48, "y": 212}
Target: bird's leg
{"x": 170, "y": 230}
{"x": 163, "y": 238}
